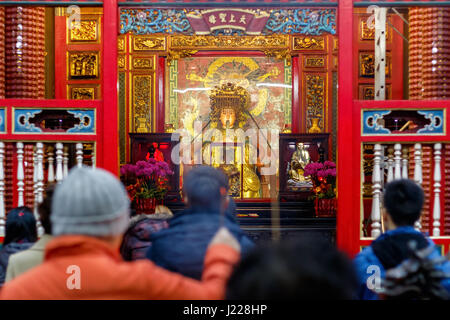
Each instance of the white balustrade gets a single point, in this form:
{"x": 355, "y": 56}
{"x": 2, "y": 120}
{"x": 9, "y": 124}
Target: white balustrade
{"x": 65, "y": 161}
{"x": 418, "y": 163}
{"x": 405, "y": 158}
{"x": 390, "y": 175}
{"x": 376, "y": 187}
{"x": 39, "y": 183}
{"x": 2, "y": 189}
{"x": 397, "y": 161}
{"x": 79, "y": 154}
{"x": 418, "y": 174}
{"x": 35, "y": 174}
{"x": 20, "y": 174}
{"x": 437, "y": 190}
{"x": 51, "y": 167}
{"x": 59, "y": 162}
{"x": 94, "y": 156}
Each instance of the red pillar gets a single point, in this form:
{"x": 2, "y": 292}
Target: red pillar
{"x": 25, "y": 58}
{"x": 347, "y": 182}
{"x": 2, "y": 52}
{"x": 108, "y": 151}
{"x": 160, "y": 110}
{"x": 295, "y": 126}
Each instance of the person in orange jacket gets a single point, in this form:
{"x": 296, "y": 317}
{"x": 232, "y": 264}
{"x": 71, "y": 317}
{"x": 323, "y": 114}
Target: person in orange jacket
{"x": 89, "y": 215}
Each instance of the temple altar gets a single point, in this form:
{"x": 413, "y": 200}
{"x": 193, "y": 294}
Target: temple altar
{"x": 250, "y": 88}
{"x": 250, "y": 92}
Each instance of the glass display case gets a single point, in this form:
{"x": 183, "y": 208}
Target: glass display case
{"x": 296, "y": 151}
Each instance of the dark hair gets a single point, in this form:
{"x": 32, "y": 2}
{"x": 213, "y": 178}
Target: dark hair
{"x": 202, "y": 187}
{"x": 403, "y": 200}
{"x": 286, "y": 271}
{"x": 20, "y": 226}
{"x": 44, "y": 209}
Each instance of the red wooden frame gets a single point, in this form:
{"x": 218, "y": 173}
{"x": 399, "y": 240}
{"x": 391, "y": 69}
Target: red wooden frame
{"x": 110, "y": 125}
{"x": 353, "y": 221}
{"x": 349, "y": 137}
{"x": 348, "y": 204}
{"x": 61, "y": 55}
{"x": 160, "y": 105}
{"x": 106, "y": 136}
{"x": 395, "y": 46}
{"x": 10, "y": 136}
{"x": 295, "y": 125}
{"x": 9, "y": 104}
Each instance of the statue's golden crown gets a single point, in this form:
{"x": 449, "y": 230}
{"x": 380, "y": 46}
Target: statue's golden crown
{"x": 228, "y": 95}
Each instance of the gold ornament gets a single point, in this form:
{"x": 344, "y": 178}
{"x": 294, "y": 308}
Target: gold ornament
{"x": 308, "y": 43}
{"x": 83, "y": 65}
{"x": 82, "y": 93}
{"x": 84, "y": 31}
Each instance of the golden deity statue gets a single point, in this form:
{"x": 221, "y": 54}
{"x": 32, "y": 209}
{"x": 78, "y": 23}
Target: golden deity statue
{"x": 300, "y": 158}
{"x": 228, "y": 112}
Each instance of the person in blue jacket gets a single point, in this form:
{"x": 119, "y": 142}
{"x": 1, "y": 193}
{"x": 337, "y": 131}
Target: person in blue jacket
{"x": 403, "y": 200}
{"x": 181, "y": 247}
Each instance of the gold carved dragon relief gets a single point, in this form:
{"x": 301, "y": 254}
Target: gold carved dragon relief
{"x": 142, "y": 43}
{"x": 309, "y": 43}
{"x": 85, "y": 31}
{"x": 83, "y": 65}
{"x": 315, "y": 99}
{"x": 82, "y": 93}
{"x": 142, "y": 97}
{"x": 228, "y": 42}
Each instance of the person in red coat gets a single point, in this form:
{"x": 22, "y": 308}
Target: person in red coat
{"x": 90, "y": 212}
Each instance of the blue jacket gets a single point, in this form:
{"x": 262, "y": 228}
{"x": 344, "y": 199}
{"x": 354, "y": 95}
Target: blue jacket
{"x": 181, "y": 247}
{"x": 367, "y": 261}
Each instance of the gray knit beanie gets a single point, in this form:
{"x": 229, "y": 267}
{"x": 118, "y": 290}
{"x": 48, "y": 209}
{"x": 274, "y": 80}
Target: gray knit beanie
{"x": 90, "y": 202}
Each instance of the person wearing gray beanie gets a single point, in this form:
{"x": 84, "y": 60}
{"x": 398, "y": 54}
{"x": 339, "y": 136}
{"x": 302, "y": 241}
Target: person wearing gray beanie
{"x": 90, "y": 202}
{"x": 90, "y": 212}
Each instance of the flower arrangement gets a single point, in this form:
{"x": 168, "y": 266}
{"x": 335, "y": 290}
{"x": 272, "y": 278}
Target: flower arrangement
{"x": 323, "y": 177}
{"x": 146, "y": 179}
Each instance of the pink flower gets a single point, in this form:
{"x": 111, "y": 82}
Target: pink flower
{"x": 329, "y": 164}
{"x": 321, "y": 173}
{"x": 146, "y": 169}
{"x": 330, "y": 172}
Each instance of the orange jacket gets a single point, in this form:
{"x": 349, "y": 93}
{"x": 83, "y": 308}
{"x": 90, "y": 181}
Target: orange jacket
{"x": 104, "y": 275}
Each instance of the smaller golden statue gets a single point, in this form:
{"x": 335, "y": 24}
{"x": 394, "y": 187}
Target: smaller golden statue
{"x": 300, "y": 158}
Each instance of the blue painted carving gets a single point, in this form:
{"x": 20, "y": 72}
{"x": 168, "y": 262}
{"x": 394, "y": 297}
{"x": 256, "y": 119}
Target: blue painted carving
{"x": 435, "y": 125}
{"x": 150, "y": 21}
{"x": 87, "y": 121}
{"x": 370, "y": 122}
{"x": 143, "y": 21}
{"x": 22, "y": 121}
{"x": 2, "y": 120}
{"x": 301, "y": 21}
{"x": 437, "y": 121}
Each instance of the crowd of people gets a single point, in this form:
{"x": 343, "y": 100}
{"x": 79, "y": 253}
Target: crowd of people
{"x": 95, "y": 247}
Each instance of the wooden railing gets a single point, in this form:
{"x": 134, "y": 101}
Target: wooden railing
{"x": 49, "y": 163}
{"x": 398, "y": 161}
